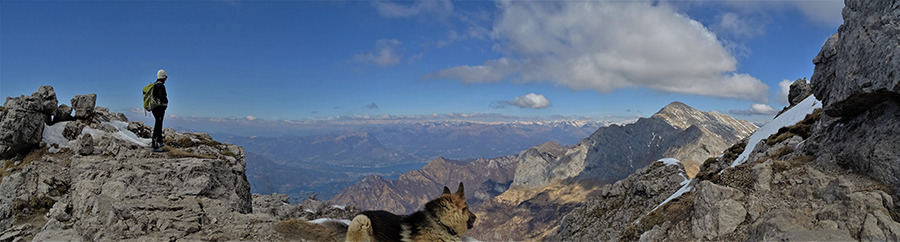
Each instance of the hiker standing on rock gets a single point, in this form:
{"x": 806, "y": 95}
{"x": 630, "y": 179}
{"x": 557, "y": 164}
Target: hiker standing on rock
{"x": 159, "y": 112}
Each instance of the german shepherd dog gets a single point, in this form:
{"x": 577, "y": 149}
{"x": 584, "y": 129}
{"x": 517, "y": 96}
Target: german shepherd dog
{"x": 446, "y": 218}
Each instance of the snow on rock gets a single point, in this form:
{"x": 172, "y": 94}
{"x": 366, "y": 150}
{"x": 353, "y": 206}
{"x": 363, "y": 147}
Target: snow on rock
{"x": 323, "y": 220}
{"x": 53, "y": 134}
{"x": 791, "y": 117}
{"x": 685, "y": 187}
{"x": 670, "y": 161}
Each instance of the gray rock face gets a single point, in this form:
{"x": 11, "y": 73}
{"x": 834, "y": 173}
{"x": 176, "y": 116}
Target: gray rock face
{"x": 63, "y": 113}
{"x": 537, "y": 163}
{"x": 857, "y": 77}
{"x": 48, "y": 99}
{"x": 859, "y": 66}
{"x": 618, "y": 206}
{"x": 85, "y": 144}
{"x": 22, "y": 125}
{"x": 73, "y": 130}
{"x": 799, "y": 90}
{"x": 84, "y": 105}
{"x": 716, "y": 211}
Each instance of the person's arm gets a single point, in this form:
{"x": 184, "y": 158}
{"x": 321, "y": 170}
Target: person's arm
{"x": 162, "y": 94}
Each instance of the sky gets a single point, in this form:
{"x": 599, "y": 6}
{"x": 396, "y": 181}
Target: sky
{"x": 301, "y": 61}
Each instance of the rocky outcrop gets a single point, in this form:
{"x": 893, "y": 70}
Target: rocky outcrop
{"x": 84, "y": 105}
{"x": 616, "y": 207}
{"x": 857, "y": 77}
{"x": 21, "y": 126}
{"x": 799, "y": 90}
{"x": 95, "y": 179}
{"x": 859, "y": 66}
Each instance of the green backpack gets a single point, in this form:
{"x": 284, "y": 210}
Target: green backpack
{"x": 150, "y": 101}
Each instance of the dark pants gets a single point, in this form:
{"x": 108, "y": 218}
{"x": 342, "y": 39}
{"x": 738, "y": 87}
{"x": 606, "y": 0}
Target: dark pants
{"x": 158, "y": 114}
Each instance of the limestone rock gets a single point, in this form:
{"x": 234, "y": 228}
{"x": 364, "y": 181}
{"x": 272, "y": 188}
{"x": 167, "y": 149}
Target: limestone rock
{"x": 859, "y": 65}
{"x": 73, "y": 130}
{"x": 140, "y": 129}
{"x": 48, "y": 99}
{"x": 84, "y": 105}
{"x": 715, "y": 210}
{"x": 605, "y": 215}
{"x": 799, "y": 90}
{"x": 63, "y": 113}
{"x": 22, "y": 126}
{"x": 537, "y": 163}
{"x": 85, "y": 144}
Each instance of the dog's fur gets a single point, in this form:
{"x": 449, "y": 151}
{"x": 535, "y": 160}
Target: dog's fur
{"x": 446, "y": 218}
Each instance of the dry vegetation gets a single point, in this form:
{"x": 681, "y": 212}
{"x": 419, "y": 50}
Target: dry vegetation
{"x": 173, "y": 152}
{"x": 802, "y": 128}
{"x": 679, "y": 210}
{"x": 296, "y": 229}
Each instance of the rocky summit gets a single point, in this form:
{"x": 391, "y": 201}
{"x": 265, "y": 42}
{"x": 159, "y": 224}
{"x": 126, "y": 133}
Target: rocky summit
{"x": 92, "y": 177}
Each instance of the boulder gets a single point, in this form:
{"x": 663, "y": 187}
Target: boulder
{"x": 716, "y": 210}
{"x": 73, "y": 129}
{"x": 859, "y": 66}
{"x": 84, "y": 105}
{"x": 48, "y": 99}
{"x": 800, "y": 89}
{"x": 140, "y": 129}
{"x": 63, "y": 113}
{"x": 85, "y": 144}
{"x": 22, "y": 125}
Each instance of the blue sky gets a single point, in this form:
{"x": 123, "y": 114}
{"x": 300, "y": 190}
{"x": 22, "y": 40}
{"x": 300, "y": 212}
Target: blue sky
{"x": 328, "y": 60}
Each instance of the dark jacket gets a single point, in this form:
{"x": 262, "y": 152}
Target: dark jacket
{"x": 159, "y": 92}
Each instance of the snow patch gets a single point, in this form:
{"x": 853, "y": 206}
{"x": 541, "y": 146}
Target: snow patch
{"x": 791, "y": 117}
{"x": 670, "y": 161}
{"x": 53, "y": 134}
{"x": 323, "y": 220}
{"x": 341, "y": 207}
{"x": 685, "y": 187}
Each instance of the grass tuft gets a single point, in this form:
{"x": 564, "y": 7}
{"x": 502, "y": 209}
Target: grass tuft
{"x": 679, "y": 209}
{"x": 178, "y": 153}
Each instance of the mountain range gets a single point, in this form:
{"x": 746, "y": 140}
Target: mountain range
{"x": 325, "y": 164}
{"x": 539, "y": 185}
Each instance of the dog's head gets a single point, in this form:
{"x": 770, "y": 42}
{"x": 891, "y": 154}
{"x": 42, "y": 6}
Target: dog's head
{"x": 452, "y": 210}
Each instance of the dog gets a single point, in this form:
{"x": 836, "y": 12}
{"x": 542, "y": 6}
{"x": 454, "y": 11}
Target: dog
{"x": 446, "y": 218}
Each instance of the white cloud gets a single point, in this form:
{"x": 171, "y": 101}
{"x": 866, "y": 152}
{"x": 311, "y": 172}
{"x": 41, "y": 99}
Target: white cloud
{"x": 251, "y": 117}
{"x": 823, "y": 12}
{"x": 783, "y": 91}
{"x": 739, "y": 26}
{"x": 756, "y": 109}
{"x": 395, "y": 10}
{"x": 604, "y": 46}
{"x": 387, "y": 53}
{"x": 490, "y": 71}
{"x": 530, "y": 100}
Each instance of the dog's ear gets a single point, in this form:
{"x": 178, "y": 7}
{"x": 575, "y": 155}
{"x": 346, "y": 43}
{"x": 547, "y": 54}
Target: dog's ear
{"x": 446, "y": 190}
{"x": 461, "y": 190}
